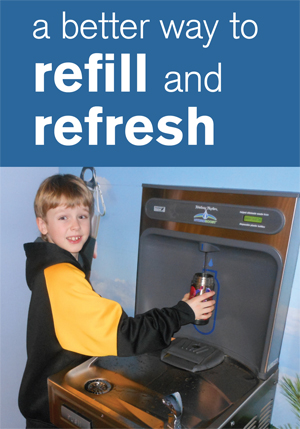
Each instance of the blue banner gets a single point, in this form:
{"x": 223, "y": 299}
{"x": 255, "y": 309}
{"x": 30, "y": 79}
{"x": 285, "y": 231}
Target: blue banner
{"x": 126, "y": 83}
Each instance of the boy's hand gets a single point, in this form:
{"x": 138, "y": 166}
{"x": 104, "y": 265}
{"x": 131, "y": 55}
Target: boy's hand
{"x": 202, "y": 309}
{"x": 95, "y": 251}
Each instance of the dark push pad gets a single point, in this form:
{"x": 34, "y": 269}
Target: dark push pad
{"x": 191, "y": 355}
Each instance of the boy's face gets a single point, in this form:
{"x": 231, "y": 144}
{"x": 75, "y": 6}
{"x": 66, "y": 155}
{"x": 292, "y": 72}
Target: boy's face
{"x": 67, "y": 227}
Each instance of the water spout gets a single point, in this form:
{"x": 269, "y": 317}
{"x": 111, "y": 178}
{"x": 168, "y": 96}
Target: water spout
{"x": 174, "y": 404}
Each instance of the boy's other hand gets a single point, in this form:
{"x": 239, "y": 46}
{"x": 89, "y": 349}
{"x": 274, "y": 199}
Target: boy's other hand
{"x": 95, "y": 251}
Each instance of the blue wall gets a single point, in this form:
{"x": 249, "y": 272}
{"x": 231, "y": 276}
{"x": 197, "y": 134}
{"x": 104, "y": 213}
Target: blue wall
{"x": 18, "y": 188}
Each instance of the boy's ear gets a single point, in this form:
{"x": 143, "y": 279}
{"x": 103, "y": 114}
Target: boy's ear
{"x": 42, "y": 226}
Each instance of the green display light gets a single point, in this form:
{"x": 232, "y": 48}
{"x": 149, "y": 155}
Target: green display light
{"x": 255, "y": 219}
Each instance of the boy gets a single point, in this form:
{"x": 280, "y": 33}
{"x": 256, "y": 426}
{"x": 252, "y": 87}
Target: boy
{"x": 68, "y": 322}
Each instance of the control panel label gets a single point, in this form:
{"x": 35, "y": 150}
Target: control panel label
{"x": 245, "y": 218}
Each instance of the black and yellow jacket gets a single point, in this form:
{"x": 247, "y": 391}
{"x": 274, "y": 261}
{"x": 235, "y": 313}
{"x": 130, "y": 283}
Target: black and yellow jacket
{"x": 69, "y": 322}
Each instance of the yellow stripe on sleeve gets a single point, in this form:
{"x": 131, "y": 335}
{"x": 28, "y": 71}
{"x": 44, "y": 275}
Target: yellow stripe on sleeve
{"x": 84, "y": 322}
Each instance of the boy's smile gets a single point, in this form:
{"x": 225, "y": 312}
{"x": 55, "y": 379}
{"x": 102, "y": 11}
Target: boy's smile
{"x": 67, "y": 227}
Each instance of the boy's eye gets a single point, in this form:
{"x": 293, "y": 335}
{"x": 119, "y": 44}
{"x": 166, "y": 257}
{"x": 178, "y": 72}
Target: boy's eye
{"x": 62, "y": 218}
{"x": 83, "y": 217}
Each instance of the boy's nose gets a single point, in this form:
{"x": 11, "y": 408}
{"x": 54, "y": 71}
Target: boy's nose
{"x": 75, "y": 224}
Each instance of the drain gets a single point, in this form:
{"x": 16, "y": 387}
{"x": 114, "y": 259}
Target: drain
{"x": 99, "y": 386}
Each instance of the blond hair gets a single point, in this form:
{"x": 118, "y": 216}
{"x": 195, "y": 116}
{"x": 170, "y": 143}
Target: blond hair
{"x": 62, "y": 187}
